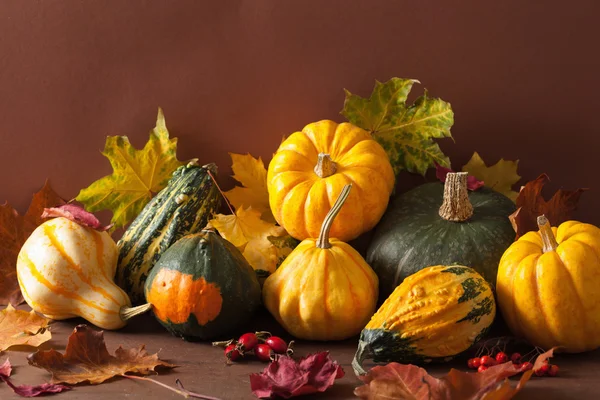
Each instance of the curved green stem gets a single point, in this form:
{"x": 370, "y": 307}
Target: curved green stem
{"x": 362, "y": 353}
{"x": 323, "y": 240}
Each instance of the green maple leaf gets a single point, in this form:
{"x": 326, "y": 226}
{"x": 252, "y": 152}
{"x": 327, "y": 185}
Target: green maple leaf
{"x": 137, "y": 174}
{"x": 406, "y": 132}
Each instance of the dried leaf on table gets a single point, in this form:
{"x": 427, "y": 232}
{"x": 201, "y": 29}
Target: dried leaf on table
{"x": 137, "y": 174}
{"x": 287, "y": 378}
{"x": 249, "y": 233}
{"x": 401, "y": 381}
{"x": 531, "y": 204}
{"x": 500, "y": 177}
{"x": 405, "y": 131}
{"x": 86, "y": 359}
{"x": 76, "y": 214}
{"x": 251, "y": 173}
{"x": 28, "y": 390}
{"x": 14, "y": 230}
{"x": 472, "y": 182}
{"x": 22, "y": 328}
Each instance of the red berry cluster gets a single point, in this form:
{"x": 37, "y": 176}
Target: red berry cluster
{"x": 263, "y": 345}
{"x": 484, "y": 362}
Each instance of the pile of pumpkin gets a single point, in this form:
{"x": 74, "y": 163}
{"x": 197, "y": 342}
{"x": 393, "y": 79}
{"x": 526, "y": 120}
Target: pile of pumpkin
{"x": 440, "y": 259}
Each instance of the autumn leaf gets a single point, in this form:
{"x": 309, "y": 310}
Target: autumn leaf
{"x": 531, "y": 204}
{"x": 14, "y": 230}
{"x": 249, "y": 233}
{"x": 251, "y": 173}
{"x": 27, "y": 390}
{"x": 406, "y": 132}
{"x": 22, "y": 328}
{"x": 401, "y": 381}
{"x": 472, "y": 182}
{"x": 285, "y": 377}
{"x": 86, "y": 359}
{"x": 137, "y": 174}
{"x": 75, "y": 214}
{"x": 500, "y": 177}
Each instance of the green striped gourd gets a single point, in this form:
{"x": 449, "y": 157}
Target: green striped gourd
{"x": 183, "y": 207}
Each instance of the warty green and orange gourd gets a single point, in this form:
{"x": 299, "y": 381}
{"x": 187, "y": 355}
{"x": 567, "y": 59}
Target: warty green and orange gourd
{"x": 548, "y": 286}
{"x": 324, "y": 290}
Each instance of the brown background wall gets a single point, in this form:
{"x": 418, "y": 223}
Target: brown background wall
{"x": 522, "y": 77}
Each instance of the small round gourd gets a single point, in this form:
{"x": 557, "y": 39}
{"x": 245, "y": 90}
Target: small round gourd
{"x": 324, "y": 290}
{"x": 434, "y": 314}
{"x": 202, "y": 287}
{"x": 441, "y": 224}
{"x": 548, "y": 284}
{"x": 66, "y": 270}
{"x": 312, "y": 166}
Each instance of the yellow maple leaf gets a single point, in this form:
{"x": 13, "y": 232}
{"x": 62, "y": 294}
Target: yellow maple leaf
{"x": 22, "y": 328}
{"x": 251, "y": 173}
{"x": 249, "y": 233}
{"x": 500, "y": 177}
{"x": 137, "y": 174}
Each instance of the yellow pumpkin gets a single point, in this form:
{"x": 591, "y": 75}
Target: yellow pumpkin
{"x": 548, "y": 284}
{"x": 66, "y": 270}
{"x": 324, "y": 290}
{"x": 312, "y": 166}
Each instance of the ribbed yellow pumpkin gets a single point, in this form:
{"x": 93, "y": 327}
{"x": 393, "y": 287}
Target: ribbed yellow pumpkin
{"x": 548, "y": 284}
{"x": 324, "y": 290}
{"x": 312, "y": 166}
{"x": 66, "y": 270}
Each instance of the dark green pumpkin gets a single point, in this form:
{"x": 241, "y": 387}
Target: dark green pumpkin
{"x": 412, "y": 235}
{"x": 203, "y": 288}
{"x": 183, "y": 207}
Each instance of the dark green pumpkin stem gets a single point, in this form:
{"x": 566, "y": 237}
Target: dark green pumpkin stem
{"x": 550, "y": 243}
{"x": 130, "y": 312}
{"x": 362, "y": 353}
{"x": 456, "y": 205}
{"x": 323, "y": 240}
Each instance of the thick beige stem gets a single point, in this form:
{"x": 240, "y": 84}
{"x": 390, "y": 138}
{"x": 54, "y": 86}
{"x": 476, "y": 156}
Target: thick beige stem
{"x": 550, "y": 243}
{"x": 325, "y": 166}
{"x": 456, "y": 206}
{"x": 130, "y": 312}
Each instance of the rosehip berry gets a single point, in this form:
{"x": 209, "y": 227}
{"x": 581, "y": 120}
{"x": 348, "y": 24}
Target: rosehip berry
{"x": 263, "y": 352}
{"x": 488, "y": 361}
{"x": 539, "y": 372}
{"x": 501, "y": 357}
{"x": 476, "y": 363}
{"x": 482, "y": 368}
{"x": 470, "y": 363}
{"x": 515, "y": 358}
{"x": 545, "y": 368}
{"x": 553, "y": 371}
{"x": 526, "y": 366}
{"x": 277, "y": 344}
{"x": 232, "y": 353}
{"x": 246, "y": 342}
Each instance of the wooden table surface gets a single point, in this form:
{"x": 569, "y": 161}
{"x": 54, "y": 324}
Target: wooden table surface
{"x": 202, "y": 367}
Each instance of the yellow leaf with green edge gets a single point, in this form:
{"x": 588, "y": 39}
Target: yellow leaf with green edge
{"x": 500, "y": 177}
{"x": 251, "y": 173}
{"x": 253, "y": 237}
{"x": 406, "y": 132}
{"x": 137, "y": 174}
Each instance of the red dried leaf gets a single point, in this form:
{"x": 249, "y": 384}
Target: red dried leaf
{"x": 287, "y": 378}
{"x": 77, "y": 214}
{"x": 531, "y": 204}
{"x": 472, "y": 182}
{"x": 28, "y": 390}
{"x": 409, "y": 382}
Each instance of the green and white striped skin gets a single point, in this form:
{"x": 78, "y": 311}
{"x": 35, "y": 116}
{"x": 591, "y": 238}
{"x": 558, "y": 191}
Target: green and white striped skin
{"x": 183, "y": 207}
{"x": 411, "y": 235}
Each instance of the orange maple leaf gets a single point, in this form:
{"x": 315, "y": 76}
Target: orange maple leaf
{"x": 14, "y": 230}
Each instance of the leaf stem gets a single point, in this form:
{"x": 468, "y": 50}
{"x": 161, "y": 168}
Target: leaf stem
{"x": 220, "y": 191}
{"x": 181, "y": 391}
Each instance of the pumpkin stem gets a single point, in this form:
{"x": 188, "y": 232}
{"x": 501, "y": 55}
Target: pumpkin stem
{"x": 130, "y": 312}
{"x": 550, "y": 243}
{"x": 456, "y": 206}
{"x": 323, "y": 240}
{"x": 325, "y": 166}
{"x": 362, "y": 353}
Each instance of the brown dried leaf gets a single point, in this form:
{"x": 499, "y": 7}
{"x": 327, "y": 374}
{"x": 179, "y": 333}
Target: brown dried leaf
{"x": 531, "y": 204}
{"x": 22, "y": 328}
{"x": 86, "y": 359}
{"x": 14, "y": 230}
